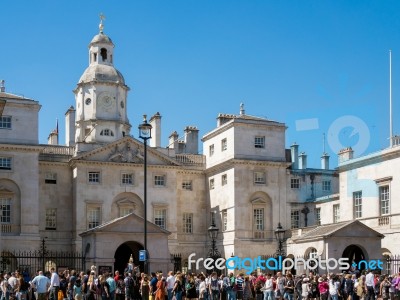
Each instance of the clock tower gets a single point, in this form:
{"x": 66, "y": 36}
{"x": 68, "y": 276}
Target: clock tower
{"x": 101, "y": 97}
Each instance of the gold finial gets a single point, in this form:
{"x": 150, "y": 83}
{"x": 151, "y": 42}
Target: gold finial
{"x": 131, "y": 259}
{"x": 101, "y": 26}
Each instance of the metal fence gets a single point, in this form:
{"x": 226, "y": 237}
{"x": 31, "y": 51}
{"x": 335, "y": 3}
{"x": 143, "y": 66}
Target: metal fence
{"x": 31, "y": 261}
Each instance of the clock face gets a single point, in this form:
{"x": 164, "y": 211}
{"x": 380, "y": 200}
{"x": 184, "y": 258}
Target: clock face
{"x": 106, "y": 101}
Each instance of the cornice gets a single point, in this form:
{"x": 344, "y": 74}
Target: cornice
{"x": 21, "y": 147}
{"x": 232, "y": 162}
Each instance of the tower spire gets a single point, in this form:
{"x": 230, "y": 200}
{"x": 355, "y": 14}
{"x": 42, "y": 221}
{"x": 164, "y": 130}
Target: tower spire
{"x": 101, "y": 26}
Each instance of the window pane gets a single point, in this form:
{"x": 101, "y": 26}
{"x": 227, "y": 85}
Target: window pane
{"x": 326, "y": 185}
{"x": 259, "y": 219}
{"x": 5, "y": 163}
{"x": 93, "y": 217}
{"x": 160, "y": 216}
{"x": 259, "y": 177}
{"x": 187, "y": 185}
{"x": 5, "y": 205}
{"x": 127, "y": 178}
{"x": 225, "y": 220}
{"x": 159, "y": 180}
{"x": 318, "y": 216}
{"x": 5, "y": 122}
{"x": 187, "y": 223}
{"x": 357, "y": 201}
{"x": 94, "y": 177}
{"x": 259, "y": 142}
{"x": 384, "y": 199}
{"x": 295, "y": 183}
{"x": 51, "y": 218}
{"x": 336, "y": 213}
{"x": 295, "y": 219}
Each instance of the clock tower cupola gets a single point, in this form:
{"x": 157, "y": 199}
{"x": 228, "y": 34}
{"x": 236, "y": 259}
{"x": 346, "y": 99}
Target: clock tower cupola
{"x": 101, "y": 97}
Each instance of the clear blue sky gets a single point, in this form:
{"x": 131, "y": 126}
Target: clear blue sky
{"x": 318, "y": 66}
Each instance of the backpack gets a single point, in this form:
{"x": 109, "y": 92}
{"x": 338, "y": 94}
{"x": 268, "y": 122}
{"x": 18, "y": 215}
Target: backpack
{"x": 63, "y": 284}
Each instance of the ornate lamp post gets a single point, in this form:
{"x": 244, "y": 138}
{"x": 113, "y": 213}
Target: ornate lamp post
{"x": 280, "y": 237}
{"x": 213, "y": 252}
{"x": 145, "y": 134}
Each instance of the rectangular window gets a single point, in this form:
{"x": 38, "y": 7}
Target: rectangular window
{"x": 51, "y": 219}
{"x": 318, "y": 216}
{"x": 127, "y": 178}
{"x": 384, "y": 199}
{"x": 336, "y": 213}
{"x": 159, "y": 180}
{"x": 295, "y": 183}
{"x": 187, "y": 185}
{"x": 212, "y": 186}
{"x": 160, "y": 218}
{"x": 326, "y": 185}
{"x": 93, "y": 216}
{"x": 5, "y": 212}
{"x": 259, "y": 142}
{"x": 258, "y": 214}
{"x": 187, "y": 223}
{"x": 50, "y": 178}
{"x": 357, "y": 204}
{"x": 224, "y": 144}
{"x": 211, "y": 150}
{"x": 5, "y": 163}
{"x": 224, "y": 220}
{"x": 5, "y": 122}
{"x": 224, "y": 179}
{"x": 94, "y": 177}
{"x": 259, "y": 177}
{"x": 295, "y": 219}
{"x": 123, "y": 211}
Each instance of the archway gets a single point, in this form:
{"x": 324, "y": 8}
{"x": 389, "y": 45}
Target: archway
{"x": 124, "y": 252}
{"x": 355, "y": 254}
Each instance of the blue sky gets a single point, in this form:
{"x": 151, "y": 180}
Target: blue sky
{"x": 318, "y": 66}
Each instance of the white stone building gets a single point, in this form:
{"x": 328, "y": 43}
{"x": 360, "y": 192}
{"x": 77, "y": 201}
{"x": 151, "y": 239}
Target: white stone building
{"x": 88, "y": 195}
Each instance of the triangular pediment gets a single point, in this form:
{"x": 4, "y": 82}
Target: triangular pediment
{"x": 130, "y": 223}
{"x": 126, "y": 150}
{"x": 347, "y": 229}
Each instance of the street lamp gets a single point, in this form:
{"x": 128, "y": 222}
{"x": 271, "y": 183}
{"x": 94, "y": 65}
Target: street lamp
{"x": 280, "y": 237}
{"x": 145, "y": 134}
{"x": 213, "y": 252}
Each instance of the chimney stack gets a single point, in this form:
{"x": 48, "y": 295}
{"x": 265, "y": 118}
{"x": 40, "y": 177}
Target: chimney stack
{"x": 70, "y": 126}
{"x": 294, "y": 151}
{"x": 173, "y": 140}
{"x": 303, "y": 161}
{"x": 325, "y": 161}
{"x": 2, "y": 86}
{"x": 345, "y": 154}
{"x": 53, "y": 138}
{"x": 155, "y": 122}
{"x": 192, "y": 139}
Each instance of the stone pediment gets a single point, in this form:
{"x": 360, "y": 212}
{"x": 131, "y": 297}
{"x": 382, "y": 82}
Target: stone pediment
{"x": 346, "y": 229}
{"x": 126, "y": 150}
{"x": 130, "y": 223}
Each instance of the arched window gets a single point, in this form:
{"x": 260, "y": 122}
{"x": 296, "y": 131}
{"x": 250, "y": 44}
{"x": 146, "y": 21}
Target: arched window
{"x": 107, "y": 132}
{"x": 103, "y": 53}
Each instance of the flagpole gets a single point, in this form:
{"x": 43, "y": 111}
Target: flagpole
{"x": 390, "y": 99}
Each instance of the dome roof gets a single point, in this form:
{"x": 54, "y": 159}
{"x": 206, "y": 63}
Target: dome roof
{"x": 102, "y": 73}
{"x": 101, "y": 38}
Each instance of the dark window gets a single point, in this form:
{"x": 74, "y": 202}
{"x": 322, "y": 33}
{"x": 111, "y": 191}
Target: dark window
{"x": 103, "y": 53}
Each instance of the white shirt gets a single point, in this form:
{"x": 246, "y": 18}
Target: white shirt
{"x": 170, "y": 282}
{"x": 55, "y": 279}
{"x": 269, "y": 285}
{"x": 369, "y": 279}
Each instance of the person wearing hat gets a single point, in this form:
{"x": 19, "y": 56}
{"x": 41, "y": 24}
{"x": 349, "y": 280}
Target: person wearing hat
{"x": 305, "y": 288}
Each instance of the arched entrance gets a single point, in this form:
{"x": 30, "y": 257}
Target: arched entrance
{"x": 354, "y": 254}
{"x": 124, "y": 252}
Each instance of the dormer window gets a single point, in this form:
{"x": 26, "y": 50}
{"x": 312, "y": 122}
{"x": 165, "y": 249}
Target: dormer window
{"x": 103, "y": 53}
{"x": 107, "y": 132}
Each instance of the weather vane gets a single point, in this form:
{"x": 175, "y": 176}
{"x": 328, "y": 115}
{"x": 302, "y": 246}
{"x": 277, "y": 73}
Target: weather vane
{"x": 101, "y": 26}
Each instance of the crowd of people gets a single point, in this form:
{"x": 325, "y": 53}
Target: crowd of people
{"x": 133, "y": 285}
